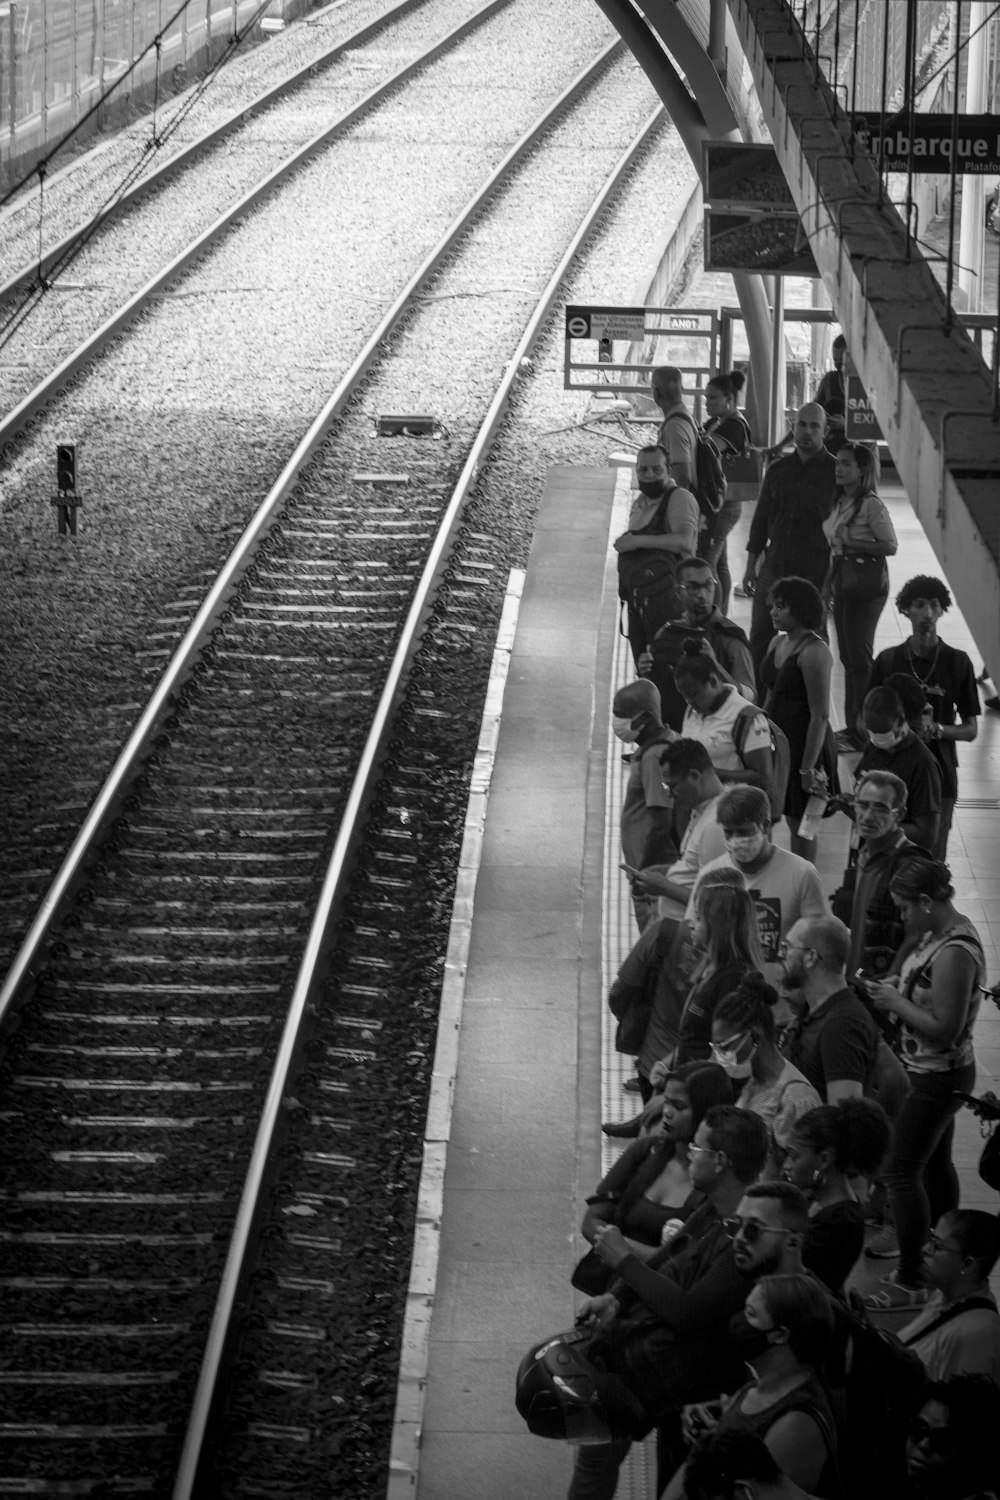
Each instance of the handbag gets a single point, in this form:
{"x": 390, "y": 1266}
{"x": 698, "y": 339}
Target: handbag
{"x": 590, "y": 1275}
{"x": 862, "y": 575}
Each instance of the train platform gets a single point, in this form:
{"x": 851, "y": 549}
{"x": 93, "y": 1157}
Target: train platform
{"x": 527, "y": 1069}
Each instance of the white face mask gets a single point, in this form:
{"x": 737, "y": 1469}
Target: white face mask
{"x": 727, "y": 1061}
{"x": 745, "y": 848}
{"x": 623, "y": 729}
{"x": 886, "y": 741}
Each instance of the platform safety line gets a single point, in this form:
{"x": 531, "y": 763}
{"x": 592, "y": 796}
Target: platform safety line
{"x": 407, "y": 1427}
{"x": 637, "y": 1477}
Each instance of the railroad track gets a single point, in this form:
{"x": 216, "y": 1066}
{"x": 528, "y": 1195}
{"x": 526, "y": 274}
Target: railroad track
{"x": 218, "y": 1046}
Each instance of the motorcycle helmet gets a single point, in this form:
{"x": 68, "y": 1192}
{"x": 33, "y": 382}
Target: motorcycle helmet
{"x": 563, "y": 1394}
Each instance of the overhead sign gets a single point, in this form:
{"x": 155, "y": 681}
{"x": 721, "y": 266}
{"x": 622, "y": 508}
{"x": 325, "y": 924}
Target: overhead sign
{"x": 973, "y": 141}
{"x": 626, "y": 323}
{"x": 751, "y": 222}
{"x": 860, "y": 422}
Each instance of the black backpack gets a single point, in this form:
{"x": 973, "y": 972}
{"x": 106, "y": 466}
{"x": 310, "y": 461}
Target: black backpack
{"x": 647, "y": 580}
{"x": 880, "y": 1391}
{"x": 667, "y": 648}
{"x": 709, "y": 484}
{"x": 781, "y": 755}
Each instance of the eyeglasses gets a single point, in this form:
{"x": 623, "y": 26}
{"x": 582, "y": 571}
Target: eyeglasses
{"x": 699, "y": 588}
{"x": 785, "y": 947}
{"x": 936, "y": 1439}
{"x": 703, "y": 1151}
{"x": 731, "y": 1043}
{"x": 749, "y": 1230}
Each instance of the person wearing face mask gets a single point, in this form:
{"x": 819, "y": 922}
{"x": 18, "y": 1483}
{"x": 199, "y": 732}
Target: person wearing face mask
{"x": 646, "y": 832}
{"x": 664, "y": 1322}
{"x": 835, "y": 1040}
{"x": 946, "y": 678}
{"x": 828, "y": 1147}
{"x": 786, "y": 533}
{"x": 784, "y": 1334}
{"x": 662, "y": 528}
{"x": 893, "y": 746}
{"x": 744, "y": 1043}
{"x": 784, "y": 886}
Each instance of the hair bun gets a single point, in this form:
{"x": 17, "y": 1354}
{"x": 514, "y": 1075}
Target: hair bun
{"x": 737, "y": 380}
{"x": 755, "y": 985}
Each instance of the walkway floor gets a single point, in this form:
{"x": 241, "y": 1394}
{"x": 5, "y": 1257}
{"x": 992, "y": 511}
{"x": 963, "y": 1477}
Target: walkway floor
{"x": 550, "y": 924}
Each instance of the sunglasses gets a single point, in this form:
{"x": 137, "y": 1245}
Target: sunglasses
{"x": 749, "y": 1230}
{"x": 940, "y": 1440}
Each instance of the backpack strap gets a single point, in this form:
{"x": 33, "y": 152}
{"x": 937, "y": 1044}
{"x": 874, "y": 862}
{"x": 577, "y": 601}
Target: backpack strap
{"x": 658, "y": 524}
{"x": 968, "y": 1304}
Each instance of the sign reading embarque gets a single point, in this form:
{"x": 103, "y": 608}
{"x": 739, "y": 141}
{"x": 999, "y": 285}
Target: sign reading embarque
{"x": 973, "y": 139}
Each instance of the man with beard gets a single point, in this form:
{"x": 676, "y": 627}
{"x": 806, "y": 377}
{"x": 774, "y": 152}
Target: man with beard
{"x": 946, "y": 678}
{"x": 835, "y": 1039}
{"x": 665, "y": 1320}
{"x": 722, "y": 640}
{"x": 662, "y": 527}
{"x": 786, "y": 533}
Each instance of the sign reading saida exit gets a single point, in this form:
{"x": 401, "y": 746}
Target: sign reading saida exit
{"x": 928, "y": 142}
{"x": 860, "y": 422}
{"x": 626, "y": 323}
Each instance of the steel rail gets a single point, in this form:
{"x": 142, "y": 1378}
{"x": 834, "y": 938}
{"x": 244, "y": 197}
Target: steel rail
{"x": 291, "y": 81}
{"x": 17, "y": 986}
{"x": 351, "y": 830}
{"x": 20, "y": 415}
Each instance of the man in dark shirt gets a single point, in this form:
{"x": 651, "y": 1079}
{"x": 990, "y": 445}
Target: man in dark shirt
{"x": 893, "y": 746}
{"x": 786, "y": 533}
{"x": 667, "y": 1318}
{"x": 947, "y": 679}
{"x": 873, "y": 917}
{"x": 835, "y": 1042}
{"x": 832, "y": 395}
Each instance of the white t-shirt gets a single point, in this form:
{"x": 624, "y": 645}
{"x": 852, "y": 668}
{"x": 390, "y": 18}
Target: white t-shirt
{"x": 702, "y": 841}
{"x": 715, "y": 732}
{"x": 786, "y": 889}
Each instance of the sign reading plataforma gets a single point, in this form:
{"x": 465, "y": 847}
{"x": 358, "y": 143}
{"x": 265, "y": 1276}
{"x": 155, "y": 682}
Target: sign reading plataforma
{"x": 928, "y": 143}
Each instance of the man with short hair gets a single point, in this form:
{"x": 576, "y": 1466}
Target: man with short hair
{"x": 958, "y": 1332}
{"x": 831, "y": 393}
{"x": 694, "y": 786}
{"x": 784, "y": 886}
{"x": 893, "y": 746}
{"x": 835, "y": 1042}
{"x": 662, "y": 527}
{"x": 786, "y": 533}
{"x": 769, "y": 1229}
{"x": 863, "y": 900}
{"x": 677, "y": 430}
{"x": 646, "y": 836}
{"x": 721, "y": 639}
{"x": 670, "y": 1314}
{"x": 947, "y": 679}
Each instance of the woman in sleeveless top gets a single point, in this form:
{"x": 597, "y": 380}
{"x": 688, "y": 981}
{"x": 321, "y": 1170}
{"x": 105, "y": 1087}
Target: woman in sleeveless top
{"x": 861, "y": 536}
{"x": 936, "y": 995}
{"x": 795, "y": 675}
{"x": 785, "y": 1332}
{"x": 829, "y": 1146}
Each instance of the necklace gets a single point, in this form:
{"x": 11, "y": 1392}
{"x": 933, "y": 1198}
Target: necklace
{"x": 930, "y": 670}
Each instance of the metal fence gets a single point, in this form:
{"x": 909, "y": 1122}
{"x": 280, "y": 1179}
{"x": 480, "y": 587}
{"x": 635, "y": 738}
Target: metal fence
{"x": 59, "y": 57}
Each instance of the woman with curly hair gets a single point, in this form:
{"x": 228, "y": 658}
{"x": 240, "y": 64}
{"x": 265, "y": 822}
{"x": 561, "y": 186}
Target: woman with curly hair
{"x": 829, "y": 1146}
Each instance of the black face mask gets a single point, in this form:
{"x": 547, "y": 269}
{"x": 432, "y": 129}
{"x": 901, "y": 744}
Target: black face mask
{"x": 749, "y": 1342}
{"x": 652, "y": 488}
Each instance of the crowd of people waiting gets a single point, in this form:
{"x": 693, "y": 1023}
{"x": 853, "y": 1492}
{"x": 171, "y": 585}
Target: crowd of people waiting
{"x": 801, "y": 1056}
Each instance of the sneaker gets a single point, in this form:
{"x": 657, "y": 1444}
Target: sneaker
{"x": 632, "y": 1086}
{"x": 894, "y": 1295}
{"x": 884, "y": 1245}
